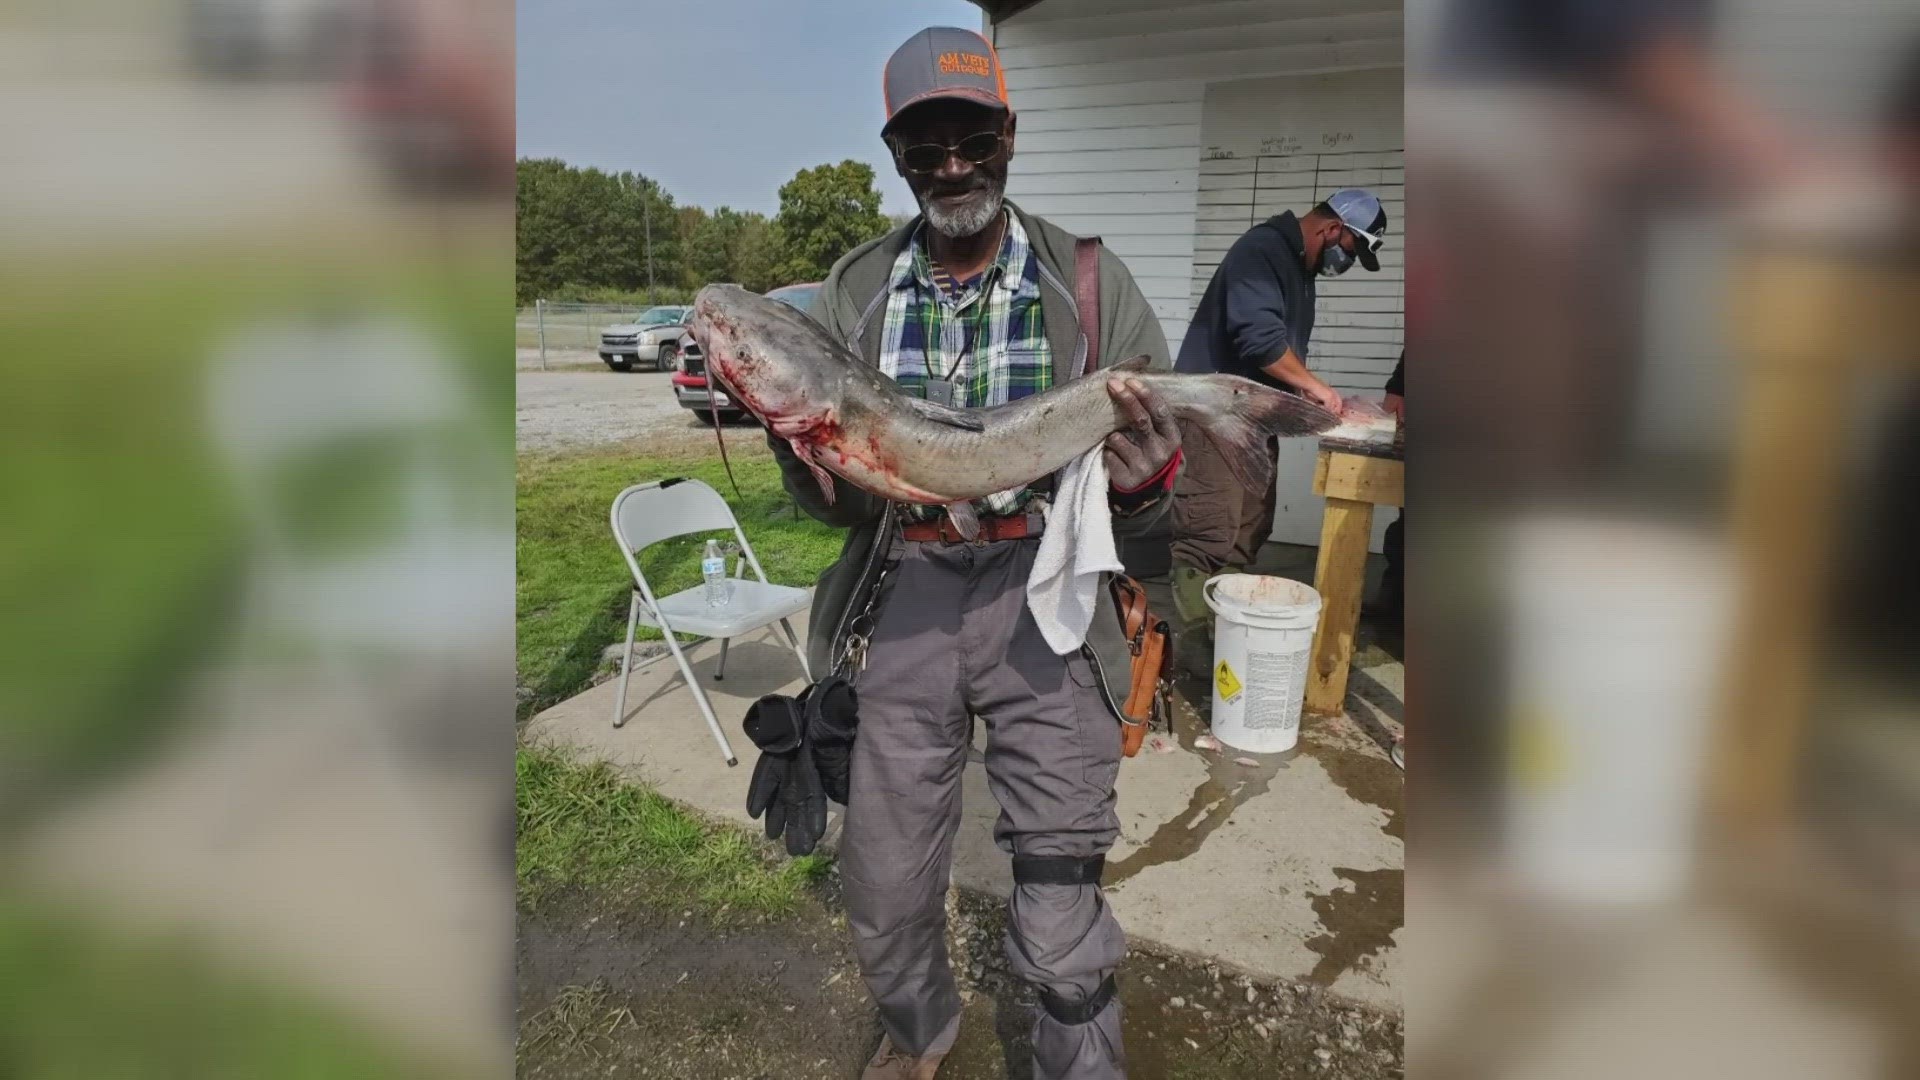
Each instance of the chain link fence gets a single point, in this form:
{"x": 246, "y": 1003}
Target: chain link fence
{"x": 550, "y": 330}
{"x": 548, "y": 325}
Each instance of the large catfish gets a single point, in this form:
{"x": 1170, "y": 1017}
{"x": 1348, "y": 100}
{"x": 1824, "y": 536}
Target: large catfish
{"x": 847, "y": 418}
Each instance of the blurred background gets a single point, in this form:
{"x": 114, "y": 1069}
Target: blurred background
{"x": 256, "y": 668}
{"x": 1662, "y": 708}
{"x": 256, "y": 675}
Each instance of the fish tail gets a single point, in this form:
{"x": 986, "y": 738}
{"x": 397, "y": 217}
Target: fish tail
{"x": 1238, "y": 416}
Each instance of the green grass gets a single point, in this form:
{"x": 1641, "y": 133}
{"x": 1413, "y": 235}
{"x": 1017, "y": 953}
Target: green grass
{"x": 573, "y": 586}
{"x": 581, "y": 826}
{"x": 123, "y": 561}
{"x": 80, "y": 999}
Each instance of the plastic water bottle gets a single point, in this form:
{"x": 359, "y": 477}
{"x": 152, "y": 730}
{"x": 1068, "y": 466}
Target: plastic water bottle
{"x": 713, "y": 567}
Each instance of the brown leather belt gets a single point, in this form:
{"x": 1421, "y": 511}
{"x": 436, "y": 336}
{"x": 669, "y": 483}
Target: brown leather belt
{"x": 941, "y": 530}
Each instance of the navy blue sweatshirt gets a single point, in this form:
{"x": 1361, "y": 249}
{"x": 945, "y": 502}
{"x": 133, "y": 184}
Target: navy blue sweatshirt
{"x": 1259, "y": 304}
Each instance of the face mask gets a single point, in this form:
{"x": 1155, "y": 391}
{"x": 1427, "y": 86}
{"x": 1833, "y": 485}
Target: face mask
{"x": 1335, "y": 260}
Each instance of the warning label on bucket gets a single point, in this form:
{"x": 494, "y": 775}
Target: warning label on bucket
{"x": 1281, "y": 682}
{"x": 1225, "y": 681}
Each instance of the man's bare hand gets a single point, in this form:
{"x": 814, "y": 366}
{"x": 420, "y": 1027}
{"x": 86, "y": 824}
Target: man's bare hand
{"x": 1396, "y": 406}
{"x": 1139, "y": 451}
{"x": 1324, "y": 396}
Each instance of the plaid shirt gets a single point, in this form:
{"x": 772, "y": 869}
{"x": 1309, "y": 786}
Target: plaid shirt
{"x": 988, "y": 340}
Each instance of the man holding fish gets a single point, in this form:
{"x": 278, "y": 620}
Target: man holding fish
{"x": 932, "y": 404}
{"x": 972, "y": 305}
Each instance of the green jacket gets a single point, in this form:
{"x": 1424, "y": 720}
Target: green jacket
{"x": 852, "y": 306}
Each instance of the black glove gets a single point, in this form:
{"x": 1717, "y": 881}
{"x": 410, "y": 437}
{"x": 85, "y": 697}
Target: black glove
{"x": 833, "y": 715}
{"x": 786, "y": 783}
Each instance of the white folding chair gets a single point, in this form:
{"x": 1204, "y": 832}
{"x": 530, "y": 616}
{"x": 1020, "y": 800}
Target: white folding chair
{"x": 646, "y": 514}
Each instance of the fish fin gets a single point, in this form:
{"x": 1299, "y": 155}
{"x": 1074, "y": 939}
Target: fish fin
{"x": 964, "y": 519}
{"x": 946, "y": 414}
{"x": 1143, "y": 362}
{"x": 820, "y": 475}
{"x": 1254, "y": 414}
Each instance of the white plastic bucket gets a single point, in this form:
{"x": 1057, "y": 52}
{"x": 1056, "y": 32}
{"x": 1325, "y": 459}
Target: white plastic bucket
{"x": 1618, "y": 630}
{"x": 1262, "y": 638}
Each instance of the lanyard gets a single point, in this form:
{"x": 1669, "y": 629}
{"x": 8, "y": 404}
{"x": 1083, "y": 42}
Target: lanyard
{"x": 983, "y": 298}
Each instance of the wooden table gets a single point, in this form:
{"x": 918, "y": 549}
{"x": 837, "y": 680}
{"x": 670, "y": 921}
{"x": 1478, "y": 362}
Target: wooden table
{"x": 1354, "y": 481}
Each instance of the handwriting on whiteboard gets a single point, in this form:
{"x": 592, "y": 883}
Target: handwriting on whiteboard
{"x": 1282, "y": 145}
{"x": 1275, "y": 145}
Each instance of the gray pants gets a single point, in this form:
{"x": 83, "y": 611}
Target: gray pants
{"x": 954, "y": 640}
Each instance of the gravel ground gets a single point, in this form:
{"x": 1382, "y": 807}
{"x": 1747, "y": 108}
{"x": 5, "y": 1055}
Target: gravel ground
{"x": 578, "y": 410}
{"x": 627, "y": 985}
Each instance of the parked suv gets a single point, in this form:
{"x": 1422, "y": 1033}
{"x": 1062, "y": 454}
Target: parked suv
{"x": 653, "y": 338}
{"x": 690, "y": 381}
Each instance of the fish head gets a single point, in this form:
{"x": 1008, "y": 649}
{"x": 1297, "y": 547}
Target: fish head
{"x": 772, "y": 356}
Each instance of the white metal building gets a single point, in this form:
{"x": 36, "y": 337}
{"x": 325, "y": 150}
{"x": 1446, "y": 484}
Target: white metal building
{"x": 1170, "y": 127}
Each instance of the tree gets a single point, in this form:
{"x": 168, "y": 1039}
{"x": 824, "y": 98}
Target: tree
{"x": 825, "y": 212}
{"x": 584, "y": 228}
{"x": 732, "y": 245}
{"x": 714, "y": 247}
{"x": 692, "y": 219}
{"x": 758, "y": 254}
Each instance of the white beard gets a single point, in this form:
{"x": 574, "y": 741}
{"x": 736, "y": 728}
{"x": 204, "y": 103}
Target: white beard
{"x": 977, "y": 214}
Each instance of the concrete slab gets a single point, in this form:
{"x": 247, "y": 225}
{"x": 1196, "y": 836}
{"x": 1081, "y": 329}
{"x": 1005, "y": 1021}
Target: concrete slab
{"x": 1288, "y": 868}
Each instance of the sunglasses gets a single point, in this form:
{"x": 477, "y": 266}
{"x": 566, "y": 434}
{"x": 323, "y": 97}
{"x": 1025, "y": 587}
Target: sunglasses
{"x": 1373, "y": 242}
{"x": 976, "y": 149}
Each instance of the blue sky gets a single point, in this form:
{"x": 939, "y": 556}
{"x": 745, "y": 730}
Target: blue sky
{"x": 721, "y": 101}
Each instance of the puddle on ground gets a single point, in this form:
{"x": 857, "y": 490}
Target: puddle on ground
{"x": 1359, "y": 922}
{"x": 1360, "y": 919}
{"x": 1365, "y": 777}
{"x": 1227, "y": 787}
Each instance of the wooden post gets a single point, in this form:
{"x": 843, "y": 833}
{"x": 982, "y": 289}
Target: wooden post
{"x": 1353, "y": 484}
{"x": 1809, "y": 324}
{"x": 1797, "y": 315}
{"x": 1339, "y": 576}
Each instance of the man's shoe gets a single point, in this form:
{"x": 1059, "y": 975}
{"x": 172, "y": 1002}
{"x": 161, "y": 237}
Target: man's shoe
{"x": 890, "y": 1064}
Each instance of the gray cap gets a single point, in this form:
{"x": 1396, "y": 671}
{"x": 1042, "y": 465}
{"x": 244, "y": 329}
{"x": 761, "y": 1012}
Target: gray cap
{"x": 943, "y": 62}
{"x": 1361, "y": 210}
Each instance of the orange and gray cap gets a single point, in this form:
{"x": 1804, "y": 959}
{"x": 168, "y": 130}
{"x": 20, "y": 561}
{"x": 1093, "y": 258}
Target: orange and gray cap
{"x": 943, "y": 62}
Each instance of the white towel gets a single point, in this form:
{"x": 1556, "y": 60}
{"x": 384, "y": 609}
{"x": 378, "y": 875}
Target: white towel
{"x": 1075, "y": 550}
